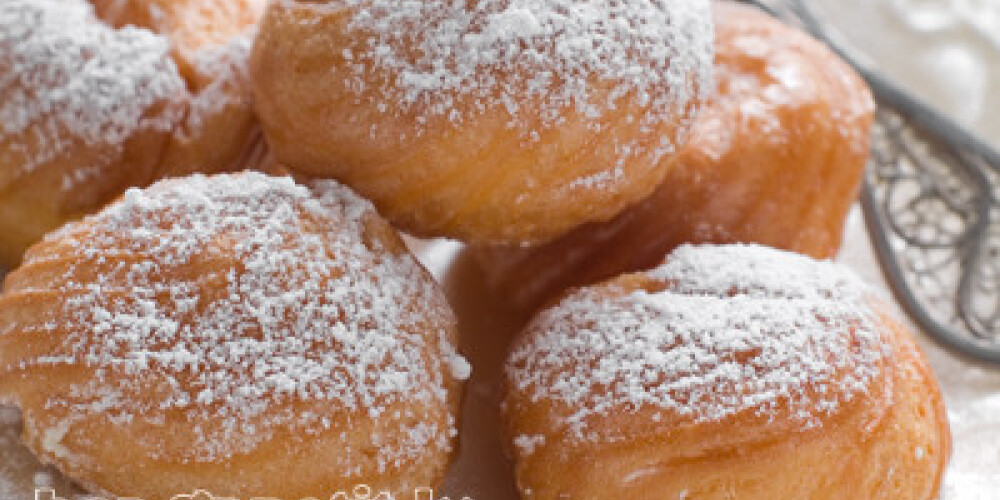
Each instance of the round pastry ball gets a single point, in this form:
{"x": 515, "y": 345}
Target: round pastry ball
{"x": 86, "y": 111}
{"x": 488, "y": 121}
{"x": 776, "y": 157}
{"x": 240, "y": 334}
{"x": 726, "y": 372}
{"x": 211, "y": 42}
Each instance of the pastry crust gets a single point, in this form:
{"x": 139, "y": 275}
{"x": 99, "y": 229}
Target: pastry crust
{"x": 490, "y": 122}
{"x": 211, "y": 42}
{"x": 193, "y": 26}
{"x": 91, "y": 110}
{"x": 239, "y": 334}
{"x": 728, "y": 372}
{"x": 77, "y": 130}
{"x": 776, "y": 158}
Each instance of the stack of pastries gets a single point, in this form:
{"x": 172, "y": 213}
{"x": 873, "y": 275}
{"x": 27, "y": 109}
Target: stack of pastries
{"x": 216, "y": 295}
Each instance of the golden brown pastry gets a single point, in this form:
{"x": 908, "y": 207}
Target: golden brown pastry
{"x": 85, "y": 111}
{"x": 89, "y": 110}
{"x": 194, "y": 27}
{"x": 240, "y": 334}
{"x": 727, "y": 372}
{"x": 211, "y": 42}
{"x": 488, "y": 121}
{"x": 775, "y": 158}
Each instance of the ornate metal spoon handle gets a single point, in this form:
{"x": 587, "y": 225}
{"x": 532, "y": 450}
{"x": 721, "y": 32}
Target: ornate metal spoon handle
{"x": 930, "y": 199}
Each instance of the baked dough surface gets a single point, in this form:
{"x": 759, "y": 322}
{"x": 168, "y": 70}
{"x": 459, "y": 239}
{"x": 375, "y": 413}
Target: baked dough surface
{"x": 486, "y": 121}
{"x": 727, "y": 372}
{"x": 238, "y": 333}
{"x": 775, "y": 157}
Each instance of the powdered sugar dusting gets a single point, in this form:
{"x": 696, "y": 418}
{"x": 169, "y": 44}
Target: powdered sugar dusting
{"x": 227, "y": 60}
{"x": 67, "y": 77}
{"x": 558, "y": 52}
{"x": 735, "y": 328}
{"x": 227, "y": 64}
{"x": 238, "y": 294}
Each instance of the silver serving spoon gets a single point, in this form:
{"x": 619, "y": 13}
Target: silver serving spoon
{"x": 931, "y": 200}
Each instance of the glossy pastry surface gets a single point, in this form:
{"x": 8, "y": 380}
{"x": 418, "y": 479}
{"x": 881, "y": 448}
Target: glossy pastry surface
{"x": 487, "y": 121}
{"x": 775, "y": 158}
{"x": 238, "y": 333}
{"x": 727, "y": 372}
